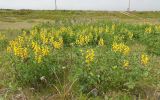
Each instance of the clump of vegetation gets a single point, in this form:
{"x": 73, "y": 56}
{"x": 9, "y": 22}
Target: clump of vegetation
{"x": 3, "y": 42}
{"x": 94, "y": 56}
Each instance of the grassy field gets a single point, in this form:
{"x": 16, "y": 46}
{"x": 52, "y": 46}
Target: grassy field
{"x": 79, "y": 55}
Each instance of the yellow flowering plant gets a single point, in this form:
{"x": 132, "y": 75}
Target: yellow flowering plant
{"x": 144, "y": 59}
{"x": 49, "y": 51}
{"x": 83, "y": 40}
{"x": 126, "y": 64}
{"x": 89, "y": 57}
{"x": 32, "y": 53}
{"x": 122, "y": 48}
{"x": 58, "y": 44}
{"x": 101, "y": 42}
{"x": 148, "y": 29}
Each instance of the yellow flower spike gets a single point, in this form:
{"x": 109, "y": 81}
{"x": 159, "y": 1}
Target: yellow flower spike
{"x": 126, "y": 50}
{"x": 89, "y": 56}
{"x": 9, "y": 49}
{"x": 122, "y": 48}
{"x": 148, "y": 30}
{"x": 101, "y": 42}
{"x": 33, "y": 44}
{"x": 58, "y": 44}
{"x": 61, "y": 41}
{"x": 19, "y": 52}
{"x": 23, "y": 53}
{"x": 38, "y": 59}
{"x": 125, "y": 63}
{"x": 144, "y": 59}
{"x": 45, "y": 51}
{"x": 44, "y": 38}
{"x": 32, "y": 33}
{"x": 82, "y": 40}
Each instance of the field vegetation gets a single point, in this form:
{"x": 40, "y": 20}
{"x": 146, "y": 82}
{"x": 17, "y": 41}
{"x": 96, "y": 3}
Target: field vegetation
{"x": 63, "y": 55}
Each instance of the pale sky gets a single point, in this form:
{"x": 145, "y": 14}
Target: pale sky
{"x": 111, "y": 5}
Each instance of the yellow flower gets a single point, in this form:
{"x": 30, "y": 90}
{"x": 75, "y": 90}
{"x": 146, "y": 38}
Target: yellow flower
{"x": 144, "y": 59}
{"x": 16, "y": 47}
{"x": 13, "y": 44}
{"x": 33, "y": 32}
{"x": 126, "y": 50}
{"x": 130, "y": 34}
{"x": 44, "y": 38}
{"x": 89, "y": 56}
{"x": 24, "y": 53}
{"x": 9, "y": 49}
{"x": 82, "y": 40}
{"x": 36, "y": 48}
{"x": 33, "y": 44}
{"x": 39, "y": 51}
{"x": 101, "y": 42}
{"x": 115, "y": 47}
{"x": 125, "y": 63}
{"x": 20, "y": 40}
{"x": 148, "y": 30}
{"x": 38, "y": 58}
{"x": 58, "y": 44}
{"x": 122, "y": 48}
{"x": 45, "y": 51}
{"x": 118, "y": 38}
{"x": 21, "y": 52}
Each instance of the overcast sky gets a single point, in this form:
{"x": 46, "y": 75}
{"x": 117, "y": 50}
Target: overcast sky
{"x": 82, "y": 4}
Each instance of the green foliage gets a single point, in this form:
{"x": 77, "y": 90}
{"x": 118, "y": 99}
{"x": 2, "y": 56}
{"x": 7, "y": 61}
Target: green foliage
{"x": 3, "y": 42}
{"x": 107, "y": 72}
{"x": 55, "y": 53}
